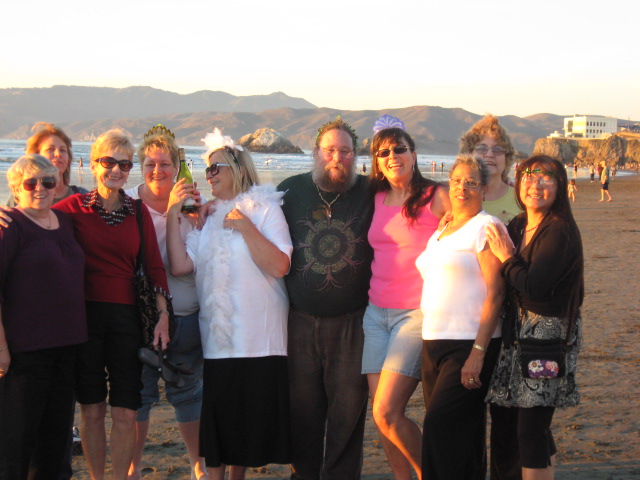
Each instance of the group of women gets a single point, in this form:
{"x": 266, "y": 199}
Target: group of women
{"x": 452, "y": 294}
{"x": 81, "y": 259}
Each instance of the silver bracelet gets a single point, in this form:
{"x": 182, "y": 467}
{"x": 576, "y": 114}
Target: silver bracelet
{"x": 163, "y": 310}
{"x": 479, "y": 347}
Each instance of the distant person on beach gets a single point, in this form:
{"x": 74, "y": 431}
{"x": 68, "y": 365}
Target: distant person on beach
{"x": 80, "y": 166}
{"x": 461, "y": 303}
{"x": 407, "y": 210}
{"x": 542, "y": 262}
{"x": 42, "y": 321}
{"x": 575, "y": 169}
{"x": 592, "y": 172}
{"x": 108, "y": 366}
{"x": 159, "y": 162}
{"x": 605, "y": 177}
{"x": 51, "y": 142}
{"x": 572, "y": 189}
{"x": 329, "y": 212}
{"x": 238, "y": 258}
{"x": 364, "y": 168}
{"x": 490, "y": 142}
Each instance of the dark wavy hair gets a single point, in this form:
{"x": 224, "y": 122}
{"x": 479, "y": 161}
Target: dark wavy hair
{"x": 421, "y": 190}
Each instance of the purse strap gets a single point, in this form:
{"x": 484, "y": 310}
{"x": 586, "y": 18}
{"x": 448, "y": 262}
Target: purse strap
{"x": 140, "y": 257}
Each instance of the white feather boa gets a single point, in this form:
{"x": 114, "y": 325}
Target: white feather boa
{"x": 214, "y": 258}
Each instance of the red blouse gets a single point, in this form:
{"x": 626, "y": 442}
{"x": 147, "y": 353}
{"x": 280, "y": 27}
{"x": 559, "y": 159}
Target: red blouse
{"x": 111, "y": 250}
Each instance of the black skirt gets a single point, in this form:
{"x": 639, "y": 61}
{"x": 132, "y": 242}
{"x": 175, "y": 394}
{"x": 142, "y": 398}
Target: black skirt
{"x": 245, "y": 412}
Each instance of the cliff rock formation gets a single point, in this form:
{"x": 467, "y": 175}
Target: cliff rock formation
{"x": 622, "y": 149}
{"x": 267, "y": 140}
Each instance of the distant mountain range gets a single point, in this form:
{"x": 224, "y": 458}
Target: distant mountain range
{"x": 86, "y": 112}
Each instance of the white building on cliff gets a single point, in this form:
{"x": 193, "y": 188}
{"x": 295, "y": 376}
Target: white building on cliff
{"x": 589, "y": 126}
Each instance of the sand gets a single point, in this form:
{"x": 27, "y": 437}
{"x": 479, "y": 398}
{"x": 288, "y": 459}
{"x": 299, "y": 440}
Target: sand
{"x": 599, "y": 439}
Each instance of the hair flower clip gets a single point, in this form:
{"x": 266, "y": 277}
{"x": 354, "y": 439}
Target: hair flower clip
{"x": 215, "y": 141}
{"x": 387, "y": 121}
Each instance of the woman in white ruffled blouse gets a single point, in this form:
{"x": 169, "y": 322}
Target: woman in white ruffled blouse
{"x": 239, "y": 258}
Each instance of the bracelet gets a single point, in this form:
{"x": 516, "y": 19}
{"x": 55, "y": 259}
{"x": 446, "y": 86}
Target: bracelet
{"x": 164, "y": 310}
{"x": 4, "y": 348}
{"x": 479, "y": 347}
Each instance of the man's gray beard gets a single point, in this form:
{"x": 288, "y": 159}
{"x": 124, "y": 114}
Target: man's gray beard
{"x": 322, "y": 178}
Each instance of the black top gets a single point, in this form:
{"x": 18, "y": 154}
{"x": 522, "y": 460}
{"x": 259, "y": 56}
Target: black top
{"x": 544, "y": 275}
{"x": 331, "y": 261}
{"x": 41, "y": 285}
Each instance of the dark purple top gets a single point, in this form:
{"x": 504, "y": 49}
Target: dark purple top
{"x": 41, "y": 285}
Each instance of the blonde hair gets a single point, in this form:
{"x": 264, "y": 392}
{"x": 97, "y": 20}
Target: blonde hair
{"x": 159, "y": 143}
{"x": 113, "y": 140}
{"x": 242, "y": 168}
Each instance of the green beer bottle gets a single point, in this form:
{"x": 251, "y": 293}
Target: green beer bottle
{"x": 189, "y": 205}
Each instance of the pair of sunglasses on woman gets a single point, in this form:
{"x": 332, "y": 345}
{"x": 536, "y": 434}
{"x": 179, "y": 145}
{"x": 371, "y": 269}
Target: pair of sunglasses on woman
{"x": 110, "y": 162}
{"x": 47, "y": 182}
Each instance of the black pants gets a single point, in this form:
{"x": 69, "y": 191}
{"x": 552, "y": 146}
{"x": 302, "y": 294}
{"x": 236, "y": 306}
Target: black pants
{"x": 452, "y": 446}
{"x": 35, "y": 413}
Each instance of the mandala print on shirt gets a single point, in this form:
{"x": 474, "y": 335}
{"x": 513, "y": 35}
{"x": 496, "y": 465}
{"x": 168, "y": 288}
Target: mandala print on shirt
{"x": 328, "y": 247}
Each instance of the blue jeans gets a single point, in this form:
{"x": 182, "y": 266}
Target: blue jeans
{"x": 185, "y": 349}
{"x": 328, "y": 395}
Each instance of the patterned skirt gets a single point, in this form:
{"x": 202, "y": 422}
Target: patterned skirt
{"x": 509, "y": 388}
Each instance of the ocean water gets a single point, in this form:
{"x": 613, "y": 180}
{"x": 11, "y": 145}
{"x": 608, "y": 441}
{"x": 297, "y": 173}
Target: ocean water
{"x": 10, "y": 150}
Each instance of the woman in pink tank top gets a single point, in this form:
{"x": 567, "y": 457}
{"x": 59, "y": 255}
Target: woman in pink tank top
{"x": 408, "y": 208}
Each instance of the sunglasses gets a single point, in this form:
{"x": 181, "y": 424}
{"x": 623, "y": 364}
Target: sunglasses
{"x": 397, "y": 150}
{"x": 110, "y": 162}
{"x": 47, "y": 182}
{"x": 214, "y": 169}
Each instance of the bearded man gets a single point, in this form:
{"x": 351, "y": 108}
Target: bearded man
{"x": 329, "y": 212}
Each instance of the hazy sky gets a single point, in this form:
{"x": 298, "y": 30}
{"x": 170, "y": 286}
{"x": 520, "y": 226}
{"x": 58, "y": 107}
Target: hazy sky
{"x": 500, "y": 56}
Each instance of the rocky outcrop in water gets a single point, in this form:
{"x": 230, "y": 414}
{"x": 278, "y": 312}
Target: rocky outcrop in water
{"x": 267, "y": 140}
{"x": 619, "y": 149}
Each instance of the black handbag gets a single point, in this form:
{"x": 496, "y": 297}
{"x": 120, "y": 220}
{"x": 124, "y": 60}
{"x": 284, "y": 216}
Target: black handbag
{"x": 146, "y": 296}
{"x": 543, "y": 358}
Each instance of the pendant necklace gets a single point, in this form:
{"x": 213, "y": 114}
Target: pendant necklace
{"x": 40, "y": 220}
{"x": 328, "y": 204}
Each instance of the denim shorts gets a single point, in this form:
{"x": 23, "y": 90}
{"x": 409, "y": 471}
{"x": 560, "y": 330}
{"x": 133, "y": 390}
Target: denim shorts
{"x": 392, "y": 341}
{"x": 185, "y": 349}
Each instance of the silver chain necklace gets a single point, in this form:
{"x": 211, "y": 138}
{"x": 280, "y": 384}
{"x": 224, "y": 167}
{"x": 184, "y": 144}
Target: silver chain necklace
{"x": 328, "y": 204}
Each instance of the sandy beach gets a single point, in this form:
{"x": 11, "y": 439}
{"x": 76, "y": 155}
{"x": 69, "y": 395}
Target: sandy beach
{"x": 600, "y": 439}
